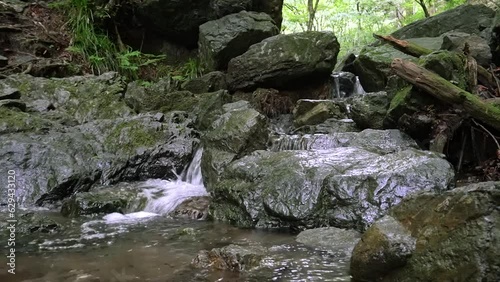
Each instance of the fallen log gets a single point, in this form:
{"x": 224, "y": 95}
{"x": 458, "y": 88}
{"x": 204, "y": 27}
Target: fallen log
{"x": 447, "y": 92}
{"x": 404, "y": 46}
{"x": 415, "y": 50}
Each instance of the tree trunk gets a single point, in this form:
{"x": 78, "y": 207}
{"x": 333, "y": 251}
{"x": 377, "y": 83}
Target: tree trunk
{"x": 312, "y": 7}
{"x": 447, "y": 92}
{"x": 424, "y": 7}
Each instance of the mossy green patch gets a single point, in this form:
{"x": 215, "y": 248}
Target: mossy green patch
{"x": 129, "y": 136}
{"x": 12, "y": 120}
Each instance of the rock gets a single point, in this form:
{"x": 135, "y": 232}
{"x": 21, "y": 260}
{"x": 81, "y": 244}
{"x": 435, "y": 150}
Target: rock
{"x": 376, "y": 141}
{"x": 369, "y": 110}
{"x": 222, "y": 8}
{"x": 343, "y": 84}
{"x": 179, "y": 20}
{"x": 232, "y": 257}
{"x": 32, "y": 223}
{"x": 270, "y": 7}
{"x": 342, "y": 187}
{"x": 238, "y": 131}
{"x": 9, "y": 103}
{"x": 202, "y": 108}
{"x": 472, "y": 19}
{"x": 329, "y": 126}
{"x": 312, "y": 112}
{"x": 122, "y": 198}
{"x": 456, "y": 234}
{"x": 210, "y": 82}
{"x": 373, "y": 65}
{"x": 479, "y": 48}
{"x": 58, "y": 161}
{"x": 8, "y": 92}
{"x": 284, "y": 59}
{"x": 495, "y": 39}
{"x": 4, "y": 61}
{"x": 386, "y": 245}
{"x": 330, "y": 238}
{"x": 82, "y": 98}
{"x": 40, "y": 105}
{"x": 230, "y": 36}
{"x": 193, "y": 208}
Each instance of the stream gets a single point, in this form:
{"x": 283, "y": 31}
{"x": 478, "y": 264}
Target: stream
{"x": 150, "y": 246}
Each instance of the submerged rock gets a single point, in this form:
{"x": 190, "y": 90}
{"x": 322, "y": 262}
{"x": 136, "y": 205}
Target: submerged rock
{"x": 193, "y": 208}
{"x": 342, "y": 187}
{"x": 232, "y": 257}
{"x": 230, "y": 36}
{"x": 284, "y": 59}
{"x": 340, "y": 241}
{"x": 122, "y": 198}
{"x": 451, "y": 236}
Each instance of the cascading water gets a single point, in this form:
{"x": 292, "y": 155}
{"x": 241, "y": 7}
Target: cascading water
{"x": 358, "y": 89}
{"x": 165, "y": 195}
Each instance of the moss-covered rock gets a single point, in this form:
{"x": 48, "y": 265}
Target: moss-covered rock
{"x": 283, "y": 60}
{"x": 231, "y": 257}
{"x": 369, "y": 110}
{"x": 451, "y": 236}
{"x": 84, "y": 98}
{"x": 210, "y": 82}
{"x": 230, "y": 36}
{"x": 122, "y": 198}
{"x": 313, "y": 112}
{"x": 342, "y": 187}
{"x": 238, "y": 131}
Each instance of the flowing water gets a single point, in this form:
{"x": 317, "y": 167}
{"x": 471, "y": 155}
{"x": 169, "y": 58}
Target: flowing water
{"x": 150, "y": 246}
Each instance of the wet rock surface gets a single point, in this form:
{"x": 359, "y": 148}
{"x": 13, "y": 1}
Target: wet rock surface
{"x": 342, "y": 187}
{"x": 330, "y": 238}
{"x": 232, "y": 257}
{"x": 194, "y": 208}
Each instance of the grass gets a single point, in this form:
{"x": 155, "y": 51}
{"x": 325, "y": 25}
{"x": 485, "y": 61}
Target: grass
{"x": 95, "y": 46}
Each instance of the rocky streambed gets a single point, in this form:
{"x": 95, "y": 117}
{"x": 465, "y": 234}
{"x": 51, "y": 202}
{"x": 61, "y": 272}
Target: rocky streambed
{"x": 268, "y": 168}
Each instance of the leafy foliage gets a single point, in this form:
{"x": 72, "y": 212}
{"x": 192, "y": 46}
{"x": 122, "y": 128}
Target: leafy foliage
{"x": 354, "y": 22}
{"x": 94, "y": 44}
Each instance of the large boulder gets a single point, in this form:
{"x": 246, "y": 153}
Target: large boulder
{"x": 230, "y": 36}
{"x": 282, "y": 60}
{"x": 478, "y": 46}
{"x": 238, "y": 131}
{"x": 373, "y": 65}
{"x": 55, "y": 164}
{"x": 451, "y": 236}
{"x": 472, "y": 19}
{"x": 346, "y": 187}
{"x": 178, "y": 21}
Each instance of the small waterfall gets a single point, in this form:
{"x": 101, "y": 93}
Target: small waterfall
{"x": 311, "y": 141}
{"x": 165, "y": 195}
{"x": 192, "y": 174}
{"x": 336, "y": 87}
{"x": 358, "y": 89}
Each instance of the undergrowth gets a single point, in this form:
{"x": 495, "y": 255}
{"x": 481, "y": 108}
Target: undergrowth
{"x": 102, "y": 54}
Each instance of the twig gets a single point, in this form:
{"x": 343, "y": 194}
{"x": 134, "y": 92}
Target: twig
{"x": 489, "y": 133}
